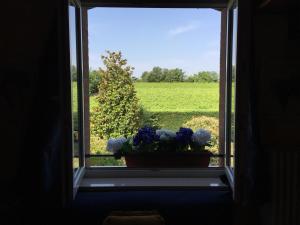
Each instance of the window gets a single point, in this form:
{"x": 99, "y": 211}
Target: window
{"x": 85, "y": 157}
{"x": 176, "y": 56}
{"x": 76, "y": 85}
{"x": 231, "y": 86}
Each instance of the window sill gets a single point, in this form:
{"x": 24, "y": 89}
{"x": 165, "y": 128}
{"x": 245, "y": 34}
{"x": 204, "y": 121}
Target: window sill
{"x": 127, "y": 178}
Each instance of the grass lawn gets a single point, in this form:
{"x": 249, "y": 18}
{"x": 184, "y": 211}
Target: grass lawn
{"x": 176, "y": 103}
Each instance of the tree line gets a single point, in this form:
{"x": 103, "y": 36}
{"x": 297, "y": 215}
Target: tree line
{"x": 158, "y": 74}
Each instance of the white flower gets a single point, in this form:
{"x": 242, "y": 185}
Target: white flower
{"x": 115, "y": 144}
{"x": 165, "y": 135}
{"x": 201, "y": 137}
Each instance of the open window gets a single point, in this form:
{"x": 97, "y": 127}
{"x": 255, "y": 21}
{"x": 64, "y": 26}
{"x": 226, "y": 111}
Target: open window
{"x": 74, "y": 11}
{"x": 231, "y": 95}
{"x": 176, "y": 60}
{"x": 82, "y": 155}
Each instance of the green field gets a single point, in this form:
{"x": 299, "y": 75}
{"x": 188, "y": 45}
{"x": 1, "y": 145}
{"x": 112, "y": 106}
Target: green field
{"x": 176, "y": 103}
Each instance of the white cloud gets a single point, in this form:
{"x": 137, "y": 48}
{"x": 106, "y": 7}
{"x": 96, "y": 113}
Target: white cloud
{"x": 183, "y": 29}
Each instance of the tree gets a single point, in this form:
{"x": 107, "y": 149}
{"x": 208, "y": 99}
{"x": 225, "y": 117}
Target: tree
{"x": 204, "y": 77}
{"x": 145, "y": 76}
{"x": 174, "y": 75}
{"x": 233, "y": 73}
{"x": 74, "y": 73}
{"x": 190, "y": 79}
{"x": 117, "y": 112}
{"x": 156, "y": 75}
{"x": 135, "y": 79}
{"x": 94, "y": 81}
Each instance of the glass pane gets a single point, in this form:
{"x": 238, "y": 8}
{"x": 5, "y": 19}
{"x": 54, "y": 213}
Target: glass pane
{"x": 175, "y": 54}
{"x": 74, "y": 86}
{"x": 233, "y": 84}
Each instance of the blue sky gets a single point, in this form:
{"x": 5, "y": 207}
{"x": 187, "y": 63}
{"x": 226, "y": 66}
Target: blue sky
{"x": 170, "y": 38}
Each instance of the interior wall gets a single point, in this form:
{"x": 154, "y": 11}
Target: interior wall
{"x": 268, "y": 122}
{"x": 276, "y": 73}
{"x": 32, "y": 114}
{"x": 32, "y": 110}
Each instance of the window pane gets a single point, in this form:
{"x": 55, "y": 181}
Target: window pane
{"x": 74, "y": 86}
{"x": 233, "y": 84}
{"x": 175, "y": 54}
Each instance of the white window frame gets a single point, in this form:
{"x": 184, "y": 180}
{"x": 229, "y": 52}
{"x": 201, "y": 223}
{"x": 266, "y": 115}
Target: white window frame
{"x": 159, "y": 172}
{"x": 230, "y": 172}
{"x": 79, "y": 173}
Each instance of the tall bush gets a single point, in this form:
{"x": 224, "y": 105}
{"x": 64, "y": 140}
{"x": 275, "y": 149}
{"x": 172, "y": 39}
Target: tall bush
{"x": 94, "y": 82}
{"x": 174, "y": 75}
{"x": 208, "y": 123}
{"x": 117, "y": 112}
{"x": 204, "y": 77}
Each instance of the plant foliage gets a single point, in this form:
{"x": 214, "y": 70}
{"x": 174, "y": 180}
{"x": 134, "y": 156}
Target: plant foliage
{"x": 94, "y": 82}
{"x": 209, "y": 123}
{"x": 117, "y": 112}
{"x": 204, "y": 77}
{"x": 158, "y": 74}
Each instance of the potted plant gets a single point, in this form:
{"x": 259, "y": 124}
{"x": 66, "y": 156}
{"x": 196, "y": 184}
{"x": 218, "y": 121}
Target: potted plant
{"x": 163, "y": 148}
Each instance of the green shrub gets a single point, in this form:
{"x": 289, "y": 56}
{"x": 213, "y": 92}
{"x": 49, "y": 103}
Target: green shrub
{"x": 158, "y": 74}
{"x": 209, "y": 123}
{"x": 149, "y": 119}
{"x": 97, "y": 145}
{"x": 204, "y": 77}
{"x": 75, "y": 120}
{"x": 105, "y": 161}
{"x": 174, "y": 75}
{"x": 94, "y": 82}
{"x": 74, "y": 73}
{"x": 117, "y": 112}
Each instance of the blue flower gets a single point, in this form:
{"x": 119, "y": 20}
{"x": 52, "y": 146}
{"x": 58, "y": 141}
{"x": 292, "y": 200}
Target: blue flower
{"x": 184, "y": 135}
{"x": 115, "y": 144}
{"x": 201, "y": 137}
{"x": 145, "y": 135}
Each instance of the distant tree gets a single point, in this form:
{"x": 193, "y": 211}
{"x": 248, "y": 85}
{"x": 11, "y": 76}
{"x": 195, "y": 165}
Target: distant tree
{"x": 144, "y": 76}
{"x": 233, "y": 72}
{"x": 135, "y": 79}
{"x": 174, "y": 75}
{"x": 156, "y": 75}
{"x": 74, "y": 73}
{"x": 117, "y": 112}
{"x": 204, "y": 77}
{"x": 209, "y": 76}
{"x": 189, "y": 79}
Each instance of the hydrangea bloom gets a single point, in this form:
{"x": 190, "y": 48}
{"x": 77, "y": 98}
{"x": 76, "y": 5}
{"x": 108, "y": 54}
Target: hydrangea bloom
{"x": 165, "y": 135}
{"x": 115, "y": 144}
{"x": 201, "y": 137}
{"x": 145, "y": 135}
{"x": 183, "y": 136}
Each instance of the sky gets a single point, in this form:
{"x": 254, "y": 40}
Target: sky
{"x": 72, "y": 35}
{"x": 188, "y": 39}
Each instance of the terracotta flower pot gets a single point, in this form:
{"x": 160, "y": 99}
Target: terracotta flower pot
{"x": 171, "y": 160}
